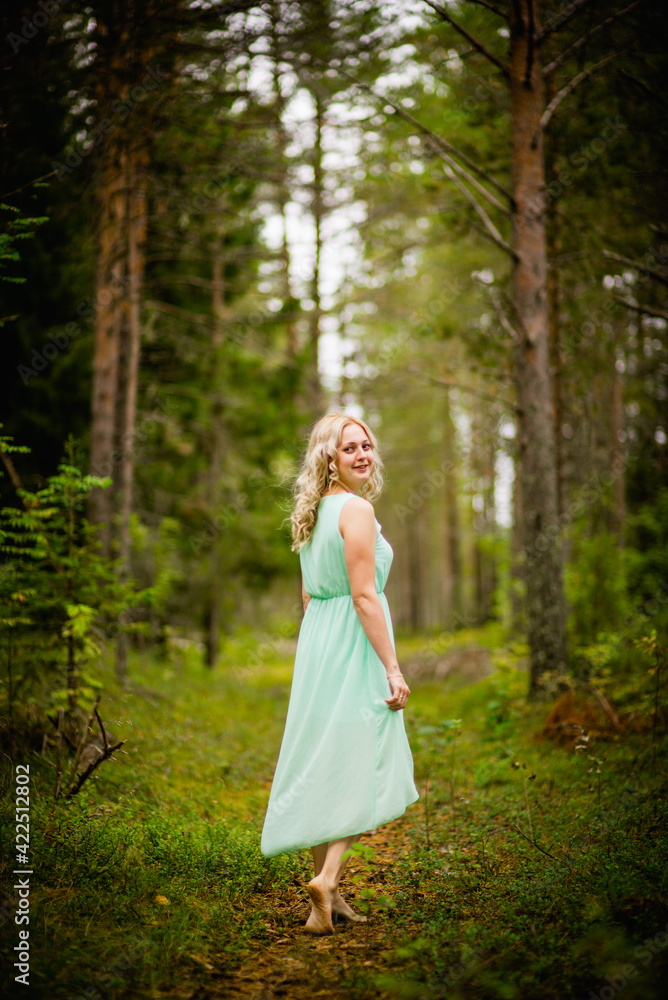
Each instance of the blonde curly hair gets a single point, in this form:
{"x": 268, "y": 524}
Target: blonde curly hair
{"x": 318, "y": 473}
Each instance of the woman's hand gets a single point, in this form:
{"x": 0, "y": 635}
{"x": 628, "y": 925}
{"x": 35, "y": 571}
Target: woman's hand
{"x": 400, "y": 692}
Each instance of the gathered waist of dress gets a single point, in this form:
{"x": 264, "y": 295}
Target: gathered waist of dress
{"x": 335, "y": 597}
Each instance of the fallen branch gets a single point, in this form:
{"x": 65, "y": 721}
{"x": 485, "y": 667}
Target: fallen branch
{"x": 605, "y": 705}
{"x": 542, "y": 850}
{"x": 104, "y": 754}
{"x": 82, "y": 741}
{"x": 59, "y": 751}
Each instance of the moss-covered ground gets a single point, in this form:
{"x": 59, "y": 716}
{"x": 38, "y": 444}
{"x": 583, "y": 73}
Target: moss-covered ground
{"x": 527, "y": 869}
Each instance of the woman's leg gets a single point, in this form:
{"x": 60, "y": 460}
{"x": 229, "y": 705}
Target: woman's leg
{"x": 319, "y": 853}
{"x": 324, "y": 887}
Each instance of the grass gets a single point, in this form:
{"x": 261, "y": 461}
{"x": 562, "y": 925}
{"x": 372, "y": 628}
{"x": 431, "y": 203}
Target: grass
{"x": 526, "y": 869}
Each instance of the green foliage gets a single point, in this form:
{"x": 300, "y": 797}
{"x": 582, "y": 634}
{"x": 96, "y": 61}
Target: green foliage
{"x": 480, "y": 895}
{"x": 595, "y": 582}
{"x": 228, "y": 352}
{"x": 178, "y": 888}
{"x": 16, "y": 227}
{"x": 648, "y": 541}
{"x": 369, "y": 897}
{"x": 505, "y": 690}
{"x": 163, "y": 855}
{"x": 60, "y": 599}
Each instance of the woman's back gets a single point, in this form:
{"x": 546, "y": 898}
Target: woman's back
{"x": 323, "y": 557}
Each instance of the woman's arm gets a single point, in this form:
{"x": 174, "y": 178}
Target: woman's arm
{"x": 357, "y": 525}
{"x": 305, "y": 597}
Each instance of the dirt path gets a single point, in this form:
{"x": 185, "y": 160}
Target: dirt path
{"x": 297, "y": 966}
{"x": 293, "y": 965}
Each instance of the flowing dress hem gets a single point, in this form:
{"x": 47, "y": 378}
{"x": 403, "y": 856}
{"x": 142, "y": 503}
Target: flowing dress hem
{"x": 341, "y": 836}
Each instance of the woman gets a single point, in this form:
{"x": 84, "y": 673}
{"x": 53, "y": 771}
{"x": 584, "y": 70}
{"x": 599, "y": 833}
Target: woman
{"x": 345, "y": 766}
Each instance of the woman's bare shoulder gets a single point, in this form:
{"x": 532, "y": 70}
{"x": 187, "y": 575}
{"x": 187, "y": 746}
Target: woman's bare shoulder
{"x": 357, "y": 510}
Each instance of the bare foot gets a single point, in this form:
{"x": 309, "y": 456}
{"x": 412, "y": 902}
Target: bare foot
{"x": 320, "y": 920}
{"x": 341, "y": 908}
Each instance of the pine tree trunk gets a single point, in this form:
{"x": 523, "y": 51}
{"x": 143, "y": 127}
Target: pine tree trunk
{"x": 618, "y": 508}
{"x": 110, "y": 285}
{"x": 531, "y": 369}
{"x": 123, "y": 64}
{"x": 452, "y": 577}
{"x": 414, "y": 573}
{"x": 131, "y": 346}
{"x": 553, "y": 297}
{"x": 216, "y": 457}
{"x": 123, "y": 61}
{"x": 517, "y": 582}
{"x": 317, "y": 209}
{"x": 283, "y": 189}
{"x": 128, "y": 368}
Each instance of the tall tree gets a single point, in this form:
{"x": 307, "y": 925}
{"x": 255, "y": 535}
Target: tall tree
{"x": 528, "y": 319}
{"x": 126, "y": 85}
{"x": 531, "y": 369}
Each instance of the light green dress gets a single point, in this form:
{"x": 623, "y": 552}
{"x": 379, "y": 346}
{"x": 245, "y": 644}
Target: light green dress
{"x": 345, "y": 765}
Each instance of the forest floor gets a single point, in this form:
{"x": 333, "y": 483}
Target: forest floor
{"x": 296, "y": 965}
{"x": 526, "y": 869}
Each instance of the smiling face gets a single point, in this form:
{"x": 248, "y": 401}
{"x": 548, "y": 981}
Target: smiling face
{"x": 354, "y": 458}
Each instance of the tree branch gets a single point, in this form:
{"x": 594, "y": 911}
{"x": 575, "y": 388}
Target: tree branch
{"x": 487, "y": 222}
{"x": 490, "y": 6}
{"x": 439, "y": 144}
{"x": 656, "y": 275}
{"x": 533, "y": 843}
{"x": 104, "y": 755}
{"x": 80, "y": 747}
{"x": 29, "y": 184}
{"x": 473, "y": 182}
{"x": 443, "y": 14}
{"x": 572, "y": 84}
{"x": 643, "y": 86}
{"x": 644, "y": 310}
{"x": 502, "y": 317}
{"x": 576, "y": 45}
{"x": 605, "y": 705}
{"x": 243, "y": 341}
{"x": 559, "y": 19}
{"x": 474, "y": 225}
{"x": 11, "y": 469}
{"x": 181, "y": 279}
{"x": 102, "y": 729}
{"x": 450, "y": 384}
